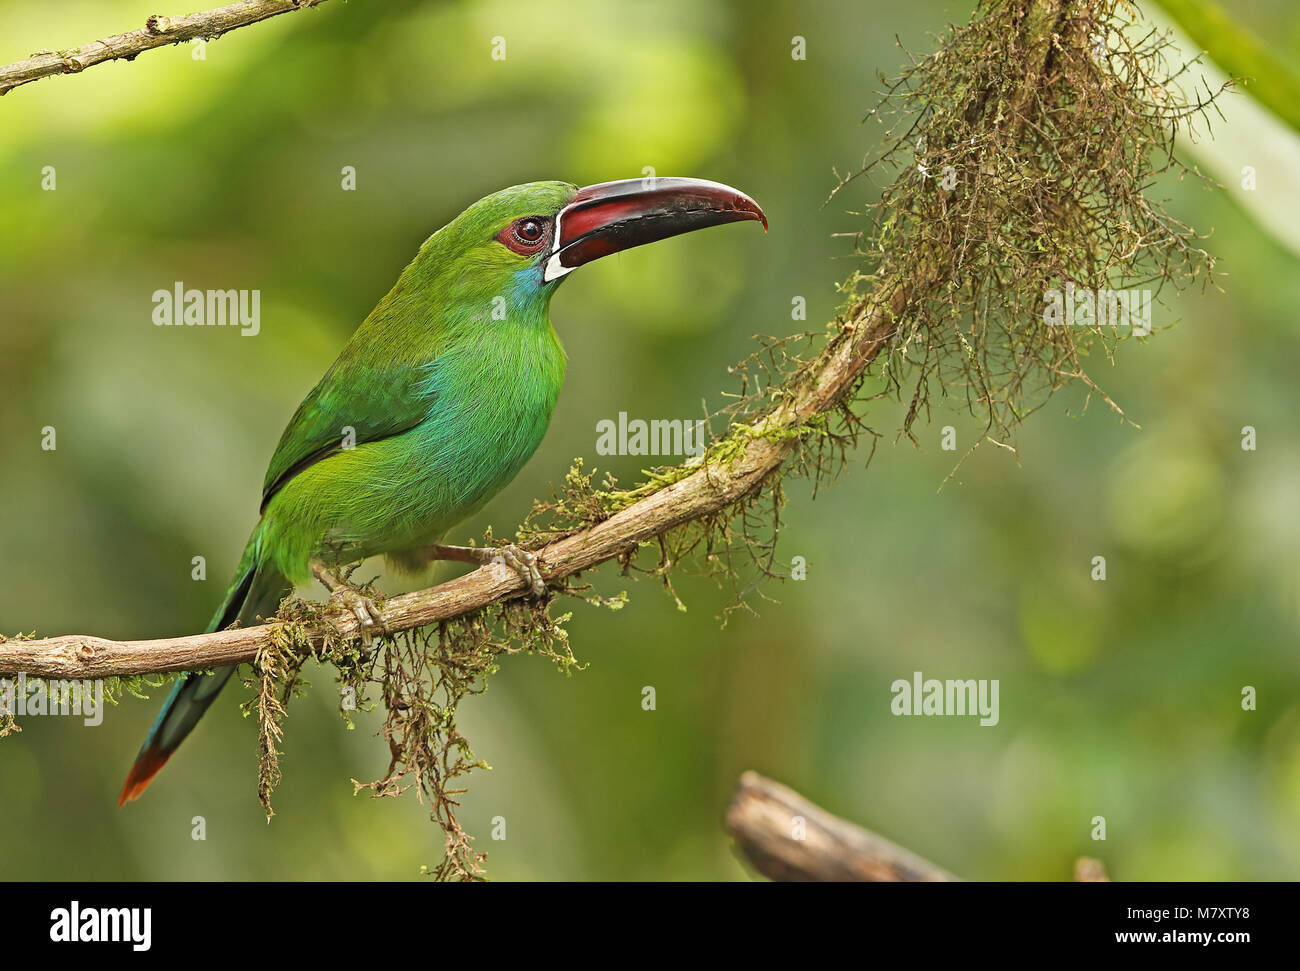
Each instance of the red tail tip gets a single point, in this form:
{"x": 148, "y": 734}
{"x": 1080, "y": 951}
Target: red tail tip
{"x": 142, "y": 773}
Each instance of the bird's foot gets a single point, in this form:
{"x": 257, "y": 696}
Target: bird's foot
{"x": 523, "y": 562}
{"x": 365, "y": 610}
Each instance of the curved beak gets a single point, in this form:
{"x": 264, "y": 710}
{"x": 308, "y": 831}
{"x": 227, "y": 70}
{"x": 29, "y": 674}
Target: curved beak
{"x": 613, "y": 216}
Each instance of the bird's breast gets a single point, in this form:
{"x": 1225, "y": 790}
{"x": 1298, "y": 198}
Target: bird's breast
{"x": 489, "y": 410}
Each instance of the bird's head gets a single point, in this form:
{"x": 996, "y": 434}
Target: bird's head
{"x": 536, "y": 234}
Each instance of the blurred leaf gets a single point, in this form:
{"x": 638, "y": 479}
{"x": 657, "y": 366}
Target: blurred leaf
{"x": 1273, "y": 82}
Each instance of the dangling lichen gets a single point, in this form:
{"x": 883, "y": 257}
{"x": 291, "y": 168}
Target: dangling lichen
{"x": 1024, "y": 148}
{"x": 1022, "y": 151}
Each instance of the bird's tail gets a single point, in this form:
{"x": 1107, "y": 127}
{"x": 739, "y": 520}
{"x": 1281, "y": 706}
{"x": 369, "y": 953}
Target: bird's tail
{"x": 257, "y": 589}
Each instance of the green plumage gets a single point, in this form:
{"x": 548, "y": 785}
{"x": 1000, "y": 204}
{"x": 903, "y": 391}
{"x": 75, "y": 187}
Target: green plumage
{"x": 437, "y": 401}
{"x": 446, "y": 401}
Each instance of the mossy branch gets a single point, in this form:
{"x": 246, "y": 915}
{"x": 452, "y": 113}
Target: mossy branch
{"x": 1052, "y": 121}
{"x": 158, "y": 31}
{"x": 1048, "y": 122}
{"x": 748, "y": 456}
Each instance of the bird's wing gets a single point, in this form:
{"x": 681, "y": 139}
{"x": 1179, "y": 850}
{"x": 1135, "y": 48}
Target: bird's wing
{"x": 374, "y": 402}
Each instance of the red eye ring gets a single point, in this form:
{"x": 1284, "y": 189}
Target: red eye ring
{"x": 526, "y": 236}
{"x": 529, "y": 232}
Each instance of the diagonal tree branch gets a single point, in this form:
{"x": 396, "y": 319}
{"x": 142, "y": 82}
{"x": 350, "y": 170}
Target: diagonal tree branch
{"x": 786, "y": 837}
{"x": 919, "y": 272}
{"x": 158, "y": 31}
{"x": 820, "y": 386}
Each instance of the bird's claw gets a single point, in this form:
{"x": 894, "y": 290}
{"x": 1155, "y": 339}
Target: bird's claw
{"x": 370, "y": 620}
{"x": 366, "y": 611}
{"x": 522, "y": 562}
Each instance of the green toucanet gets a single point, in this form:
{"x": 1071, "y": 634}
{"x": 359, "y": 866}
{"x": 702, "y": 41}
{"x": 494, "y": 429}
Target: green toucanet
{"x": 436, "y": 402}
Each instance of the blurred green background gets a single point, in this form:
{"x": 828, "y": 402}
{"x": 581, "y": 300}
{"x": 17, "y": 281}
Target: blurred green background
{"x": 1119, "y": 699}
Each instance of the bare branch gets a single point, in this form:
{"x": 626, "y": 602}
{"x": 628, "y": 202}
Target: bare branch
{"x": 1087, "y": 869}
{"x": 158, "y": 31}
{"x": 786, "y": 837}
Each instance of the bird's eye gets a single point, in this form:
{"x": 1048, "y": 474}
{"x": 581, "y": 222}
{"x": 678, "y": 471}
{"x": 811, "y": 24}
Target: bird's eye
{"x": 529, "y": 231}
{"x": 526, "y": 236}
